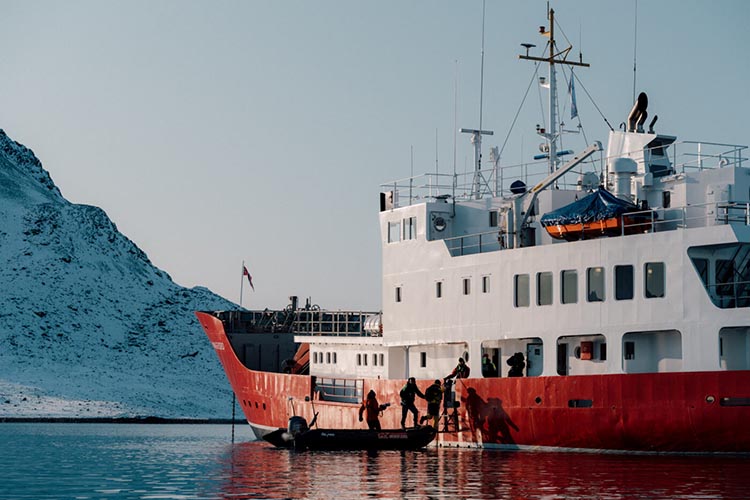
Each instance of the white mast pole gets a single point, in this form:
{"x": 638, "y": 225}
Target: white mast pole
{"x": 552, "y": 134}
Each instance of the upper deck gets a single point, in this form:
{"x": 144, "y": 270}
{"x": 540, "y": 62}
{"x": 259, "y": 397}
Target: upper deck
{"x": 679, "y": 184}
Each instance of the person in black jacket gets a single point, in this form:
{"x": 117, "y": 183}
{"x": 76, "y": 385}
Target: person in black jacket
{"x": 408, "y": 394}
{"x": 434, "y": 396}
{"x": 517, "y": 364}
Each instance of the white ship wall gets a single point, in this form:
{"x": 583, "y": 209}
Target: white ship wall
{"x": 476, "y": 319}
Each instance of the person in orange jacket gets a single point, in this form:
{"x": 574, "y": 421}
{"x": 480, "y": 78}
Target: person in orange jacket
{"x": 372, "y": 409}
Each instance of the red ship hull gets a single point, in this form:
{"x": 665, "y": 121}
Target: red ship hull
{"x": 685, "y": 412}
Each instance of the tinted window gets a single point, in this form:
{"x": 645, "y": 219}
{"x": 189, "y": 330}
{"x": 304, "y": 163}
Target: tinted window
{"x": 544, "y": 288}
{"x": 654, "y": 285}
{"x": 569, "y": 287}
{"x": 623, "y": 282}
{"x": 521, "y": 295}
{"x": 595, "y": 284}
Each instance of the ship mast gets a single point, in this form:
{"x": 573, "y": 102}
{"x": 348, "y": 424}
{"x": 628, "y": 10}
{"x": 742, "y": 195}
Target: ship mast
{"x": 552, "y": 135}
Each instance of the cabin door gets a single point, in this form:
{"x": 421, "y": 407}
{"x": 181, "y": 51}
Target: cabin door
{"x": 534, "y": 360}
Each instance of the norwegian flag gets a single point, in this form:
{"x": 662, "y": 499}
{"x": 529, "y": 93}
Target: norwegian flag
{"x": 245, "y": 272}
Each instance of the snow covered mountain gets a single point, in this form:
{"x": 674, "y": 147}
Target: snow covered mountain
{"x": 88, "y": 326}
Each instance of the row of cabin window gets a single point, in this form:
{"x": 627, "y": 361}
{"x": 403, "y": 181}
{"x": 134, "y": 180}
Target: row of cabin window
{"x": 330, "y": 357}
{"x": 377, "y": 359}
{"x": 465, "y": 287}
{"x": 654, "y": 285}
{"x": 409, "y": 230}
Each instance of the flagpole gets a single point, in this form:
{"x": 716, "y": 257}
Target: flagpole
{"x": 242, "y": 280}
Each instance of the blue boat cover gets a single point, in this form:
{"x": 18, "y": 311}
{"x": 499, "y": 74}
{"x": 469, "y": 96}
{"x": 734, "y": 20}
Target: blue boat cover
{"x": 599, "y": 205}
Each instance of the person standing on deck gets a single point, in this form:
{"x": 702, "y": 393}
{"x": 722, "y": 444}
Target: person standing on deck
{"x": 488, "y": 366}
{"x": 408, "y": 394}
{"x": 461, "y": 370}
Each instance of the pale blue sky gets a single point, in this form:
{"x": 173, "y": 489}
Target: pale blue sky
{"x": 213, "y": 132}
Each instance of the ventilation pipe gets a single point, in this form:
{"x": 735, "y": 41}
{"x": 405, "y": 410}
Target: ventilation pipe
{"x": 622, "y": 171}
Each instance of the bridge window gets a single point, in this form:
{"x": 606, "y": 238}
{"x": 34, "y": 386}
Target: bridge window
{"x": 438, "y": 289}
{"x": 467, "y": 286}
{"x": 485, "y": 284}
{"x": 398, "y": 294}
{"x": 423, "y": 360}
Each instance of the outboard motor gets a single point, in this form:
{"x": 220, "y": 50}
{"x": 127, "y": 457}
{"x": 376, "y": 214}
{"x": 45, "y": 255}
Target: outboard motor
{"x": 297, "y": 425}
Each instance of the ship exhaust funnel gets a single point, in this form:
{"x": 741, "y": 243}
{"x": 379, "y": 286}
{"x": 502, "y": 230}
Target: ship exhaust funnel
{"x": 638, "y": 114}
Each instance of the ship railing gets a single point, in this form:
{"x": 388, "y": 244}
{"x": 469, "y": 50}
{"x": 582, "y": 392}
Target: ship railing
{"x": 492, "y": 182}
{"x": 684, "y": 156}
{"x": 698, "y": 215}
{"x": 690, "y": 216}
{"x": 301, "y": 321}
{"x": 706, "y": 155}
{"x": 333, "y": 323}
{"x": 645, "y": 221}
{"x": 487, "y": 241}
{"x": 730, "y": 294}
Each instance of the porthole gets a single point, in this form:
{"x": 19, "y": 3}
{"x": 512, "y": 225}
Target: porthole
{"x": 538, "y": 400}
{"x": 710, "y": 399}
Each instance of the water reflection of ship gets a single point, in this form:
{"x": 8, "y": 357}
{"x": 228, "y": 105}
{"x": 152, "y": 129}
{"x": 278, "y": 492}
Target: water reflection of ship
{"x": 252, "y": 470}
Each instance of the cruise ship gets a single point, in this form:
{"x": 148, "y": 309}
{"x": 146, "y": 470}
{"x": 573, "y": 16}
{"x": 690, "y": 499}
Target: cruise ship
{"x": 613, "y": 284}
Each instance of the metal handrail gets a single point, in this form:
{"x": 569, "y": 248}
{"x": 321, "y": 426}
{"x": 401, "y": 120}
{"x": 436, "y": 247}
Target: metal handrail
{"x": 430, "y": 186}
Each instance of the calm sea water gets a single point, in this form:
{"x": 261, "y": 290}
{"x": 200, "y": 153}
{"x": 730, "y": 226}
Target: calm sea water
{"x": 100, "y": 461}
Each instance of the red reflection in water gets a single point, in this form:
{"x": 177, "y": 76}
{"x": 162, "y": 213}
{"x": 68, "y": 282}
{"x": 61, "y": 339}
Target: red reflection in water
{"x": 253, "y": 470}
